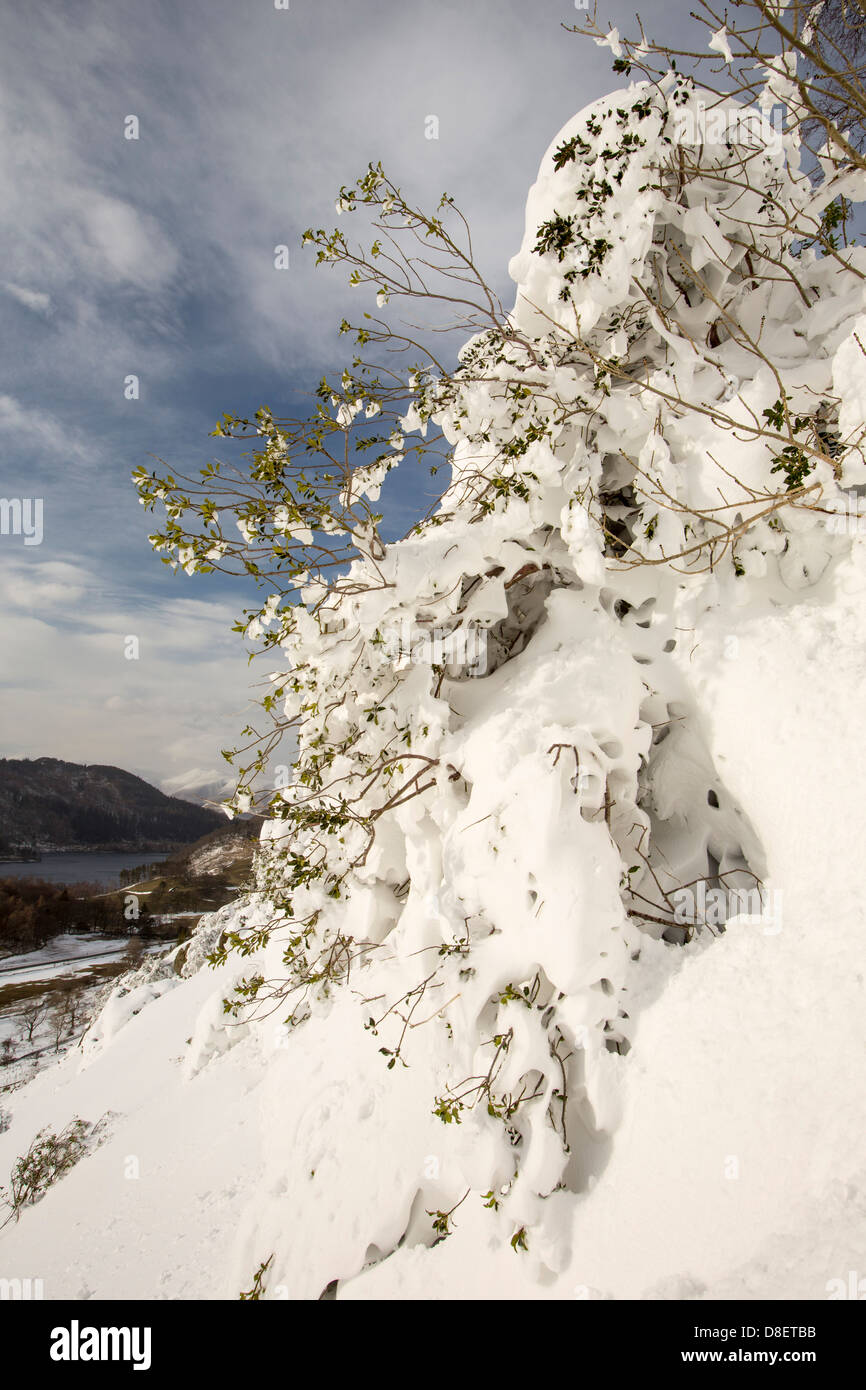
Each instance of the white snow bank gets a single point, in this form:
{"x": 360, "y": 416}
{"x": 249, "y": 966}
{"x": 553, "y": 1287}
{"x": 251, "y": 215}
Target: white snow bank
{"x": 736, "y": 1169}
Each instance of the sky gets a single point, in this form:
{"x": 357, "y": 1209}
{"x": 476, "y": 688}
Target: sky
{"x": 154, "y": 257}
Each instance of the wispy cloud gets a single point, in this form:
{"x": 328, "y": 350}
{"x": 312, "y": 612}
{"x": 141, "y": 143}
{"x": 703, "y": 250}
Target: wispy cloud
{"x": 157, "y": 687}
{"x": 35, "y": 300}
{"x": 31, "y": 426}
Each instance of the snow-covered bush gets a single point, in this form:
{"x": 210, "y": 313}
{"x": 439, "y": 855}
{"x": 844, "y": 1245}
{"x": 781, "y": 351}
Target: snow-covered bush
{"x": 666, "y": 421}
{"x": 49, "y": 1156}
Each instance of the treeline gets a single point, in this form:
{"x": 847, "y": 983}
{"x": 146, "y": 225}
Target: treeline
{"x": 92, "y": 825}
{"x": 32, "y": 912}
{"x": 141, "y": 872}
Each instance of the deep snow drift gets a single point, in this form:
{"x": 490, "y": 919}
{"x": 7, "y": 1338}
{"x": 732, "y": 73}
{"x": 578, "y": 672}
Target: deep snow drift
{"x": 608, "y": 1107}
{"x": 304, "y": 1145}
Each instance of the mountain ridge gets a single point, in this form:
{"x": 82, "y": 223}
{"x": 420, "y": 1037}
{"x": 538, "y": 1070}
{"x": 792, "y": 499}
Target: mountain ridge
{"x": 49, "y": 804}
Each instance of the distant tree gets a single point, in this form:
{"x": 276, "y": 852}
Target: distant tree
{"x": 33, "y": 1012}
{"x": 65, "y": 1013}
{"x": 134, "y": 952}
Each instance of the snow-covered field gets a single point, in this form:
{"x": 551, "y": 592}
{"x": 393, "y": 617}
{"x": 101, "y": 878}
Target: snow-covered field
{"x": 58, "y": 956}
{"x": 67, "y": 964}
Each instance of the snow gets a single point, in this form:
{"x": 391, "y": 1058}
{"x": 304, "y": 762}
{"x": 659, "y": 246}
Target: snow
{"x": 304, "y": 1143}
{"x": 59, "y": 954}
{"x": 212, "y": 859}
{"x": 719, "y": 43}
{"x": 485, "y": 1011}
{"x": 165, "y": 1231}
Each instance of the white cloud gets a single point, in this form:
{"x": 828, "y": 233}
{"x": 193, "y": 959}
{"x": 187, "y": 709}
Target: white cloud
{"x": 121, "y": 244}
{"x": 41, "y": 587}
{"x": 33, "y": 426}
{"x": 34, "y": 300}
{"x": 68, "y": 690}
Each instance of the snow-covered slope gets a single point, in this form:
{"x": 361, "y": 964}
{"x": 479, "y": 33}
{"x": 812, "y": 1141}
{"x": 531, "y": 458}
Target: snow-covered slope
{"x": 505, "y": 1029}
{"x": 736, "y": 1168}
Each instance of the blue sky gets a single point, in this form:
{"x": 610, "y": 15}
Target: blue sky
{"x": 155, "y": 257}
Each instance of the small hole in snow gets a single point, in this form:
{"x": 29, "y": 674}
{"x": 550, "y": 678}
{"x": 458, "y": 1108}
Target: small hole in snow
{"x": 712, "y": 799}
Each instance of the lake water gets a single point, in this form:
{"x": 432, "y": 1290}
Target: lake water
{"x": 80, "y": 868}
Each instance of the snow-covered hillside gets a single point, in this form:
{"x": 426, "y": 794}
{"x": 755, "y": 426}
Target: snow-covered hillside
{"x": 570, "y": 946}
{"x": 735, "y": 1164}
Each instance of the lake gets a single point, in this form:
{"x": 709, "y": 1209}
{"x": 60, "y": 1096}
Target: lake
{"x": 80, "y": 867}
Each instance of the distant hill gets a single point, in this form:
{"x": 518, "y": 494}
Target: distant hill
{"x": 49, "y": 804}
{"x": 224, "y": 853}
{"x": 225, "y": 850}
{"x": 200, "y": 785}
